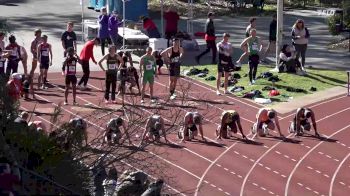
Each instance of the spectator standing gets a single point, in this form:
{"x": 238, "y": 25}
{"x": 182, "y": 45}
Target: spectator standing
{"x": 150, "y": 28}
{"x": 209, "y": 38}
{"x": 86, "y": 54}
{"x": 171, "y": 18}
{"x": 15, "y": 56}
{"x": 103, "y": 28}
{"x": 69, "y": 39}
{"x": 272, "y": 35}
{"x": 300, "y": 37}
{"x": 113, "y": 24}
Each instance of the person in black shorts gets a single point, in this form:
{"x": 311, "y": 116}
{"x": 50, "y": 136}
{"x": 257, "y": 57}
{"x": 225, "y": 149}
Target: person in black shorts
{"x": 301, "y": 123}
{"x": 173, "y": 56}
{"x": 44, "y": 52}
{"x": 132, "y": 75}
{"x": 112, "y": 59}
{"x": 122, "y": 77}
{"x": 225, "y": 62}
{"x": 159, "y": 61}
{"x": 69, "y": 39}
{"x": 69, "y": 71}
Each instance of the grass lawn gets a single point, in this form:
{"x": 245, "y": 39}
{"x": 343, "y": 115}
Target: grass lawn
{"x": 321, "y": 79}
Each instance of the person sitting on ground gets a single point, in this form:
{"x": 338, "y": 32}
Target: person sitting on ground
{"x": 288, "y": 59}
{"x": 154, "y": 125}
{"x": 79, "y": 127}
{"x": 113, "y": 133}
{"x": 22, "y": 118}
{"x": 301, "y": 123}
{"x": 232, "y": 120}
{"x": 189, "y": 129}
{"x": 266, "y": 119}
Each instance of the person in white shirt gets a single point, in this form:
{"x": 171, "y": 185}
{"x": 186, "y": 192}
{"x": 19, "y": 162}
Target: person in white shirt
{"x": 225, "y": 62}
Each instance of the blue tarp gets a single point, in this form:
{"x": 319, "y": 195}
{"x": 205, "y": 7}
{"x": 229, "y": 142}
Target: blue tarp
{"x": 134, "y": 9}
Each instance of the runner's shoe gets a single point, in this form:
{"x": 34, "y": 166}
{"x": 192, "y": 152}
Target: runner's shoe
{"x": 65, "y": 103}
{"x": 218, "y": 92}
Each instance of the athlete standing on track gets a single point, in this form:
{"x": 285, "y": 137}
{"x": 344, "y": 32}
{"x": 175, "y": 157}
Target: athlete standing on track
{"x": 232, "y": 120}
{"x": 69, "y": 70}
{"x": 86, "y": 54}
{"x": 254, "y": 48}
{"x": 69, "y": 39}
{"x": 148, "y": 72}
{"x": 154, "y": 125}
{"x": 225, "y": 62}
{"x": 112, "y": 59}
{"x": 189, "y": 130}
{"x": 34, "y": 49}
{"x": 44, "y": 50}
{"x": 301, "y": 122}
{"x": 266, "y": 119}
{"x": 173, "y": 56}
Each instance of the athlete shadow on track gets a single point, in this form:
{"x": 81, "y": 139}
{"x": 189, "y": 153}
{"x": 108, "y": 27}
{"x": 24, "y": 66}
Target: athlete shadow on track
{"x": 211, "y": 101}
{"x": 246, "y": 141}
{"x": 48, "y": 94}
{"x": 206, "y": 142}
{"x": 283, "y": 139}
{"x": 96, "y": 78}
{"x": 321, "y": 138}
{"x": 170, "y": 145}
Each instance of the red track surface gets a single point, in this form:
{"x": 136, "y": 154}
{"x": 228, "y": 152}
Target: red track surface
{"x": 310, "y": 167}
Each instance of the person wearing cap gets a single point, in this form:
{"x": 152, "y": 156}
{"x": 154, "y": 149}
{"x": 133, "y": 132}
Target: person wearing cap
{"x": 14, "y": 86}
{"x": 44, "y": 52}
{"x": 225, "y": 64}
{"x": 209, "y": 38}
{"x": 103, "y": 29}
{"x": 154, "y": 125}
{"x": 254, "y": 48}
{"x": 69, "y": 39}
{"x": 86, "y": 54}
{"x": 173, "y": 56}
{"x": 189, "y": 129}
{"x": 301, "y": 123}
{"x": 148, "y": 73}
{"x": 113, "y": 132}
{"x": 229, "y": 119}
{"x": 266, "y": 119}
{"x": 113, "y": 24}
{"x": 34, "y": 50}
{"x": 79, "y": 127}
{"x": 15, "y": 57}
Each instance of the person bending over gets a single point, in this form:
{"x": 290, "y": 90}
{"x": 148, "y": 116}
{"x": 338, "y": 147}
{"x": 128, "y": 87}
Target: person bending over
{"x": 266, "y": 119}
{"x": 190, "y": 130}
{"x": 229, "y": 119}
{"x": 301, "y": 123}
{"x": 154, "y": 125}
{"x": 113, "y": 132}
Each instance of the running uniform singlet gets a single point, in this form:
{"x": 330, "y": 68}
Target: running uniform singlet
{"x": 190, "y": 116}
{"x": 231, "y": 114}
{"x": 154, "y": 119}
{"x": 175, "y": 56}
{"x": 224, "y": 52}
{"x": 44, "y": 53}
{"x": 149, "y": 65}
{"x": 112, "y": 66}
{"x": 71, "y": 66}
{"x": 253, "y": 46}
{"x": 15, "y": 52}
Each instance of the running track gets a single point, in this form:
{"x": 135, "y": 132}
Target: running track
{"x": 268, "y": 166}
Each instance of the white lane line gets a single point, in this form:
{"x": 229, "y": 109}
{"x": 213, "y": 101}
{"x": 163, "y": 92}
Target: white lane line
{"x": 335, "y": 174}
{"x": 307, "y": 154}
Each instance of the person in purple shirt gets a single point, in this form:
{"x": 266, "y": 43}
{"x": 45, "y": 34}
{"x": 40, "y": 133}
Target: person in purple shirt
{"x": 103, "y": 28}
{"x": 113, "y": 24}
